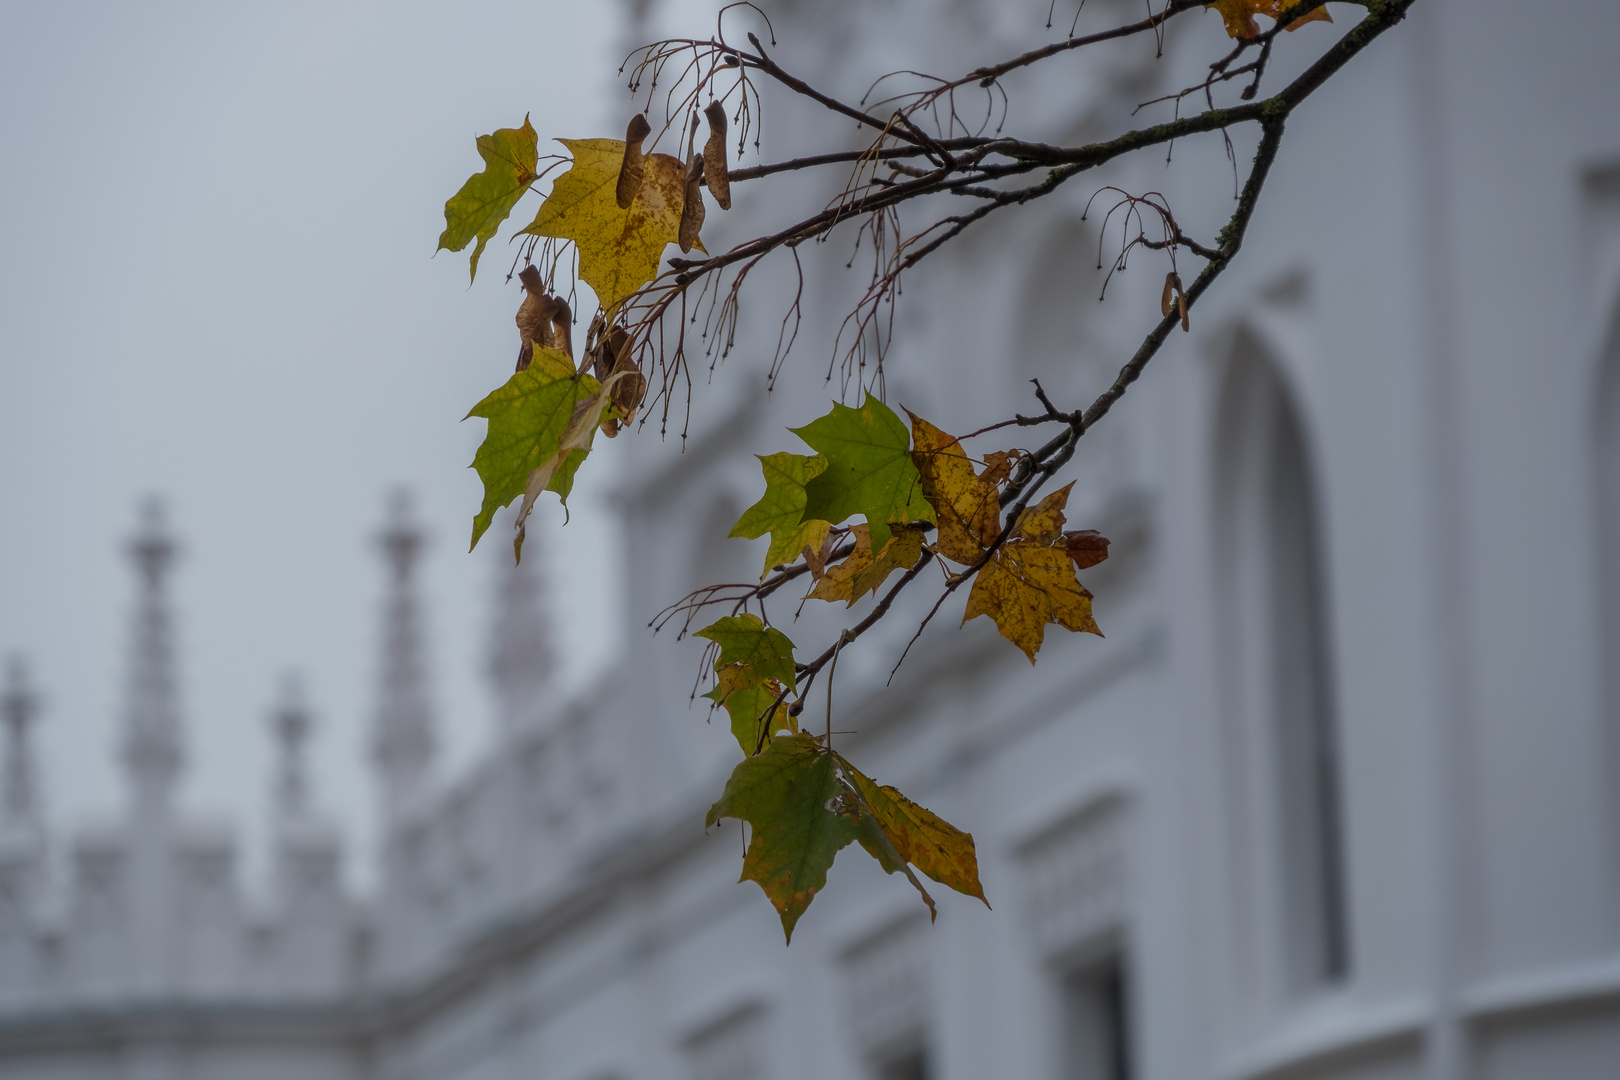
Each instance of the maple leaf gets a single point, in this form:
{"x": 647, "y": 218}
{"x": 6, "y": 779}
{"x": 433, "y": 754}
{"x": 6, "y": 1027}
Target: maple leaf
{"x": 1030, "y": 581}
{"x": 745, "y": 640}
{"x": 1239, "y": 15}
{"x": 780, "y": 511}
{"x": 919, "y": 836}
{"x": 556, "y": 472}
{"x": 966, "y": 503}
{"x": 511, "y": 156}
{"x": 869, "y": 469}
{"x": 861, "y": 572}
{"x": 756, "y": 705}
{"x": 618, "y": 249}
{"x": 1087, "y": 547}
{"x": 784, "y": 793}
{"x": 528, "y": 420}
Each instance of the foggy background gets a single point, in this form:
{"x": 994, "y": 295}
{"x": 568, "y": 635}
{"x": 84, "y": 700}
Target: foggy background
{"x": 217, "y": 285}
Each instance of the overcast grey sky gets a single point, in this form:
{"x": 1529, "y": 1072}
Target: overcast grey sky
{"x": 216, "y": 284}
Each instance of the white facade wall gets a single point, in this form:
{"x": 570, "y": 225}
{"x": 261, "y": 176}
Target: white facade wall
{"x": 1431, "y": 291}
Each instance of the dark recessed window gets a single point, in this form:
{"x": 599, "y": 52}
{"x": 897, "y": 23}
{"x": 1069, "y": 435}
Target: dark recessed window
{"x": 910, "y": 1065}
{"x": 1096, "y": 1021}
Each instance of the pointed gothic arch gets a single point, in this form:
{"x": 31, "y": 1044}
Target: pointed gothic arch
{"x": 1606, "y": 504}
{"x": 1276, "y": 657}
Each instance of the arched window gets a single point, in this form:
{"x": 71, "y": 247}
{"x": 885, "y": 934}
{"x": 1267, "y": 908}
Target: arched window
{"x": 1608, "y": 567}
{"x": 1278, "y": 660}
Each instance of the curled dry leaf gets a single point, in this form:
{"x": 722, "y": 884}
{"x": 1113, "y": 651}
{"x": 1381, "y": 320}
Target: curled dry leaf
{"x": 998, "y": 466}
{"x": 1087, "y": 547}
{"x": 630, "y": 386}
{"x": 633, "y": 169}
{"x": 862, "y": 571}
{"x": 715, "y": 173}
{"x": 1172, "y": 288}
{"x": 596, "y": 348}
{"x": 837, "y": 582}
{"x": 610, "y": 355}
{"x": 1239, "y": 15}
{"x": 692, "y": 206}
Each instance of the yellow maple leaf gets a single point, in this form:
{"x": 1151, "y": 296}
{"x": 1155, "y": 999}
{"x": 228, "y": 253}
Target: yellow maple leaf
{"x": 1239, "y": 15}
{"x": 1030, "y": 581}
{"x": 966, "y": 502}
{"x": 861, "y": 573}
{"x": 619, "y": 249}
{"x": 919, "y": 836}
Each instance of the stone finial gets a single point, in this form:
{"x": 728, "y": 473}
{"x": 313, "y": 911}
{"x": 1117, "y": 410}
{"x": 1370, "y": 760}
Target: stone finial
{"x": 152, "y": 749}
{"x": 19, "y": 708}
{"x": 290, "y": 724}
{"x": 404, "y": 739}
{"x": 521, "y": 660}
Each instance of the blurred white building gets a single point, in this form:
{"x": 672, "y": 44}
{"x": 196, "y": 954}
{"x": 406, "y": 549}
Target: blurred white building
{"x": 1337, "y": 797}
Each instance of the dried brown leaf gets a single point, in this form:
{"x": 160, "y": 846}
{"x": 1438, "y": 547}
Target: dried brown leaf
{"x": 1087, "y": 547}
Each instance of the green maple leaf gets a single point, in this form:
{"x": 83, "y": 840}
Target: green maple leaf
{"x": 756, "y": 705}
{"x": 511, "y": 156}
{"x": 780, "y": 511}
{"x": 527, "y": 420}
{"x": 764, "y": 650}
{"x": 784, "y": 793}
{"x": 869, "y": 469}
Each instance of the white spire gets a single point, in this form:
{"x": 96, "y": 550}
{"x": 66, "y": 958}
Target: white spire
{"x": 152, "y": 750}
{"x": 521, "y": 660}
{"x": 19, "y": 796}
{"x": 405, "y": 745}
{"x": 290, "y": 724}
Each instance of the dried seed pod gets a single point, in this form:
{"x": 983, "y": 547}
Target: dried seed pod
{"x": 1181, "y": 302}
{"x": 1172, "y": 282}
{"x": 536, "y": 317}
{"x": 609, "y": 353}
{"x": 596, "y": 348}
{"x": 715, "y": 173}
{"x": 692, "y": 206}
{"x": 634, "y": 168}
{"x": 559, "y": 334}
{"x": 629, "y": 391}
